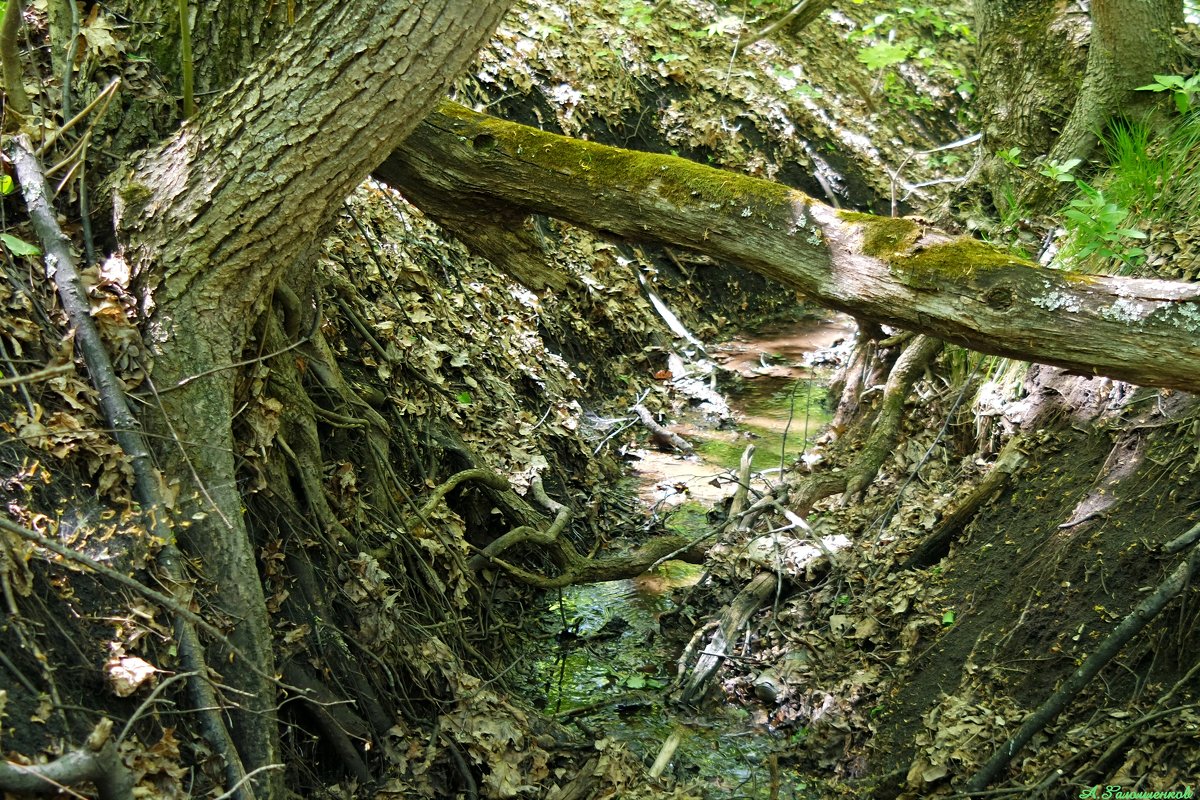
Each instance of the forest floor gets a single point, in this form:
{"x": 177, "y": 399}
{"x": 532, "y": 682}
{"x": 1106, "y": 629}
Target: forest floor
{"x": 902, "y": 634}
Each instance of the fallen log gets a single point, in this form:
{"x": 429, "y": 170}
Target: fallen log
{"x": 751, "y": 598}
{"x": 893, "y": 271}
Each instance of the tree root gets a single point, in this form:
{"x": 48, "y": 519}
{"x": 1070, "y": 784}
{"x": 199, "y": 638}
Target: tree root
{"x": 1138, "y": 619}
{"x": 886, "y": 429}
{"x": 853, "y": 482}
{"x": 147, "y": 482}
{"x": 577, "y": 568}
{"x": 96, "y": 762}
{"x": 936, "y": 545}
{"x": 338, "y": 724}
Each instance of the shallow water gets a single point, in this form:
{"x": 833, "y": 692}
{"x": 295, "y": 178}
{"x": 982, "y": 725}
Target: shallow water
{"x": 608, "y": 665}
{"x": 780, "y": 400}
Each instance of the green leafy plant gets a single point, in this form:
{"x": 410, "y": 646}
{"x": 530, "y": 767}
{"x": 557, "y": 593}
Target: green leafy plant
{"x": 636, "y": 14}
{"x": 885, "y": 54}
{"x": 1098, "y": 225}
{"x": 1183, "y": 89}
{"x": 1011, "y": 156}
{"x": 667, "y": 58}
{"x": 17, "y": 246}
{"x": 1060, "y": 171}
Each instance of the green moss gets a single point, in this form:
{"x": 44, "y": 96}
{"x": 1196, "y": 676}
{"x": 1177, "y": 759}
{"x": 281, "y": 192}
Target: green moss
{"x": 800, "y": 409}
{"x": 133, "y": 194}
{"x": 883, "y": 236}
{"x": 688, "y": 519}
{"x": 956, "y": 259}
{"x": 676, "y": 180}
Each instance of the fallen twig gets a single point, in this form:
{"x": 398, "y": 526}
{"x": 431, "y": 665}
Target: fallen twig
{"x": 1141, "y": 616}
{"x": 658, "y": 432}
{"x": 39, "y": 375}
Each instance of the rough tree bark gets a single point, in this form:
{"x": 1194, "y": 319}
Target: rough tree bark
{"x": 1023, "y": 84}
{"x": 1131, "y": 41}
{"x": 225, "y": 36}
{"x": 893, "y": 271}
{"x": 212, "y": 219}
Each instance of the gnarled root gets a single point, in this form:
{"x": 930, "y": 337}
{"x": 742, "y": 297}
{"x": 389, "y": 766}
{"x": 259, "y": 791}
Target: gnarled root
{"x": 96, "y": 762}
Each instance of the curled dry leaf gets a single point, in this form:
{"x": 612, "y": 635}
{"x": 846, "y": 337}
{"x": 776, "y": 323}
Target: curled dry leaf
{"x": 127, "y": 674}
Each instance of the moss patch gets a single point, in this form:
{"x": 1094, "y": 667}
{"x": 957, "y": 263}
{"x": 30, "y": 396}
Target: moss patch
{"x": 883, "y": 237}
{"x": 956, "y": 259}
{"x": 677, "y": 180}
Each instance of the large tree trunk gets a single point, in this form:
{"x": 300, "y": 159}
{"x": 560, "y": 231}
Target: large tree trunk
{"x": 1131, "y": 41}
{"x": 1031, "y": 57}
{"x": 893, "y": 271}
{"x": 215, "y": 216}
{"x": 1024, "y": 84}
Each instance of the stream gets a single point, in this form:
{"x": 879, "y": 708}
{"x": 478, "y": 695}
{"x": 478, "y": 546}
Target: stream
{"x": 607, "y": 663}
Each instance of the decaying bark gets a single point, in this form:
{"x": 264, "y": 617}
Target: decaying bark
{"x": 893, "y": 271}
{"x": 787, "y": 560}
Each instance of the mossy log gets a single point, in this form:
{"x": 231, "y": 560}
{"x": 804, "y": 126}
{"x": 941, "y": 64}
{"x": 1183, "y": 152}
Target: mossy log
{"x": 893, "y": 271}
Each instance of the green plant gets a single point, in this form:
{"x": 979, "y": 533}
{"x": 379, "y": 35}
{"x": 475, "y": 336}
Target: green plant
{"x": 1060, "y": 170}
{"x": 636, "y": 14}
{"x": 1183, "y": 89}
{"x": 1011, "y": 156}
{"x": 17, "y": 246}
{"x": 885, "y": 54}
{"x": 667, "y": 58}
{"x": 1098, "y": 228}
{"x": 891, "y": 39}
{"x": 1137, "y": 169}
